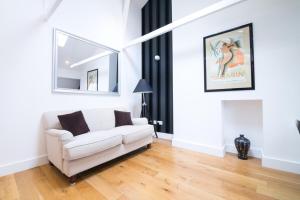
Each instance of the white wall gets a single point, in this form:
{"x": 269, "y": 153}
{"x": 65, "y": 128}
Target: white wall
{"x": 197, "y": 115}
{"x": 131, "y": 57}
{"x": 26, "y": 70}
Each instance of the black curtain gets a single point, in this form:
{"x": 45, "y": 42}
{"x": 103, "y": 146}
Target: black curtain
{"x": 155, "y": 14}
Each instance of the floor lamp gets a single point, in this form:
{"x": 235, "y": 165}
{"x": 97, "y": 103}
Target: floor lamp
{"x": 143, "y": 87}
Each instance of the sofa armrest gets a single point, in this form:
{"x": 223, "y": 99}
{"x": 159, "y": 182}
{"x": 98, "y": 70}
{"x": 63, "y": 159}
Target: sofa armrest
{"x": 62, "y": 135}
{"x": 55, "y": 140}
{"x": 140, "y": 121}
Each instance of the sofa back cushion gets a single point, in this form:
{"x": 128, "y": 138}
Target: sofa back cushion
{"x": 96, "y": 119}
{"x": 100, "y": 118}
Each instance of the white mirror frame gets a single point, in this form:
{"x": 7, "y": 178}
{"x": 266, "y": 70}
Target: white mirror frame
{"x": 54, "y": 67}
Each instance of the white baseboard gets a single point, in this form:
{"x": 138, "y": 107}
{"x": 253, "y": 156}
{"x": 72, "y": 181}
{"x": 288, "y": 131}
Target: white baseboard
{"x": 165, "y": 136}
{"x": 212, "y": 150}
{"x": 254, "y": 151}
{"x": 281, "y": 164}
{"x": 269, "y": 162}
{"x": 18, "y": 166}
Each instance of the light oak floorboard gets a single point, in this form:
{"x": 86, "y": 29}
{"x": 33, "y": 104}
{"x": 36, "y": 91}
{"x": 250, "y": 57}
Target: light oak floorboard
{"x": 8, "y": 188}
{"x": 162, "y": 172}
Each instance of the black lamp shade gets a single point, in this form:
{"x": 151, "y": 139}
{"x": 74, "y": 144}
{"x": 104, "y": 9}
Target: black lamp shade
{"x": 142, "y": 87}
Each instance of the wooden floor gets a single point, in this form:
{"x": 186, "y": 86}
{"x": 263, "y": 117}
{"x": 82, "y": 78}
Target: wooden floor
{"x": 162, "y": 172}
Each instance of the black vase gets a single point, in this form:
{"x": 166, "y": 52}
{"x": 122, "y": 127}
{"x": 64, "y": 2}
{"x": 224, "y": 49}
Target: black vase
{"x": 242, "y": 145}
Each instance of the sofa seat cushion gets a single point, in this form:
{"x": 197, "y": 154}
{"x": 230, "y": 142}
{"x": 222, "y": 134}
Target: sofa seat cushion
{"x": 91, "y": 143}
{"x": 134, "y": 133}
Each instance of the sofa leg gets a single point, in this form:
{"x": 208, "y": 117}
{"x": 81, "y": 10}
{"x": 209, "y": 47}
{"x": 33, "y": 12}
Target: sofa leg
{"x": 72, "y": 179}
{"x": 148, "y": 146}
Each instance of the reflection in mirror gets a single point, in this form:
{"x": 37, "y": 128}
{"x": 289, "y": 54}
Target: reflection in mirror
{"x": 82, "y": 66}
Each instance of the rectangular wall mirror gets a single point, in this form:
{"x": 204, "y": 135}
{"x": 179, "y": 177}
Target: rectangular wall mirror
{"x": 83, "y": 66}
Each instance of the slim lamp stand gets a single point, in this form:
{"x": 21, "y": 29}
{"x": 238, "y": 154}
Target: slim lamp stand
{"x": 144, "y": 106}
{"x": 145, "y": 113}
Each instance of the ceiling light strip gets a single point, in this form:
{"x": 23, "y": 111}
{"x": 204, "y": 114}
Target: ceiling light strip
{"x": 185, "y": 20}
{"x": 91, "y": 59}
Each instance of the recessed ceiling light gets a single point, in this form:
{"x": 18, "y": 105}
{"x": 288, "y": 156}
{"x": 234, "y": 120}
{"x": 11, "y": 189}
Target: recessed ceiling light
{"x": 67, "y": 62}
{"x": 61, "y": 39}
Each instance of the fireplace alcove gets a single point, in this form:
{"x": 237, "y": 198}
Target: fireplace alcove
{"x": 243, "y": 117}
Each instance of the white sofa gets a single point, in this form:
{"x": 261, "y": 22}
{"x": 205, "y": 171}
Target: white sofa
{"x": 72, "y": 155}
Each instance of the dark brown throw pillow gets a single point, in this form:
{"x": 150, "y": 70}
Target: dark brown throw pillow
{"x": 74, "y": 122}
{"x": 122, "y": 118}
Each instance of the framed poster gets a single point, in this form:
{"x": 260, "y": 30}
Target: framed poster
{"x": 92, "y": 80}
{"x": 229, "y": 60}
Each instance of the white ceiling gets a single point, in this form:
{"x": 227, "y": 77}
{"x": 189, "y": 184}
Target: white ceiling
{"x": 76, "y": 50}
